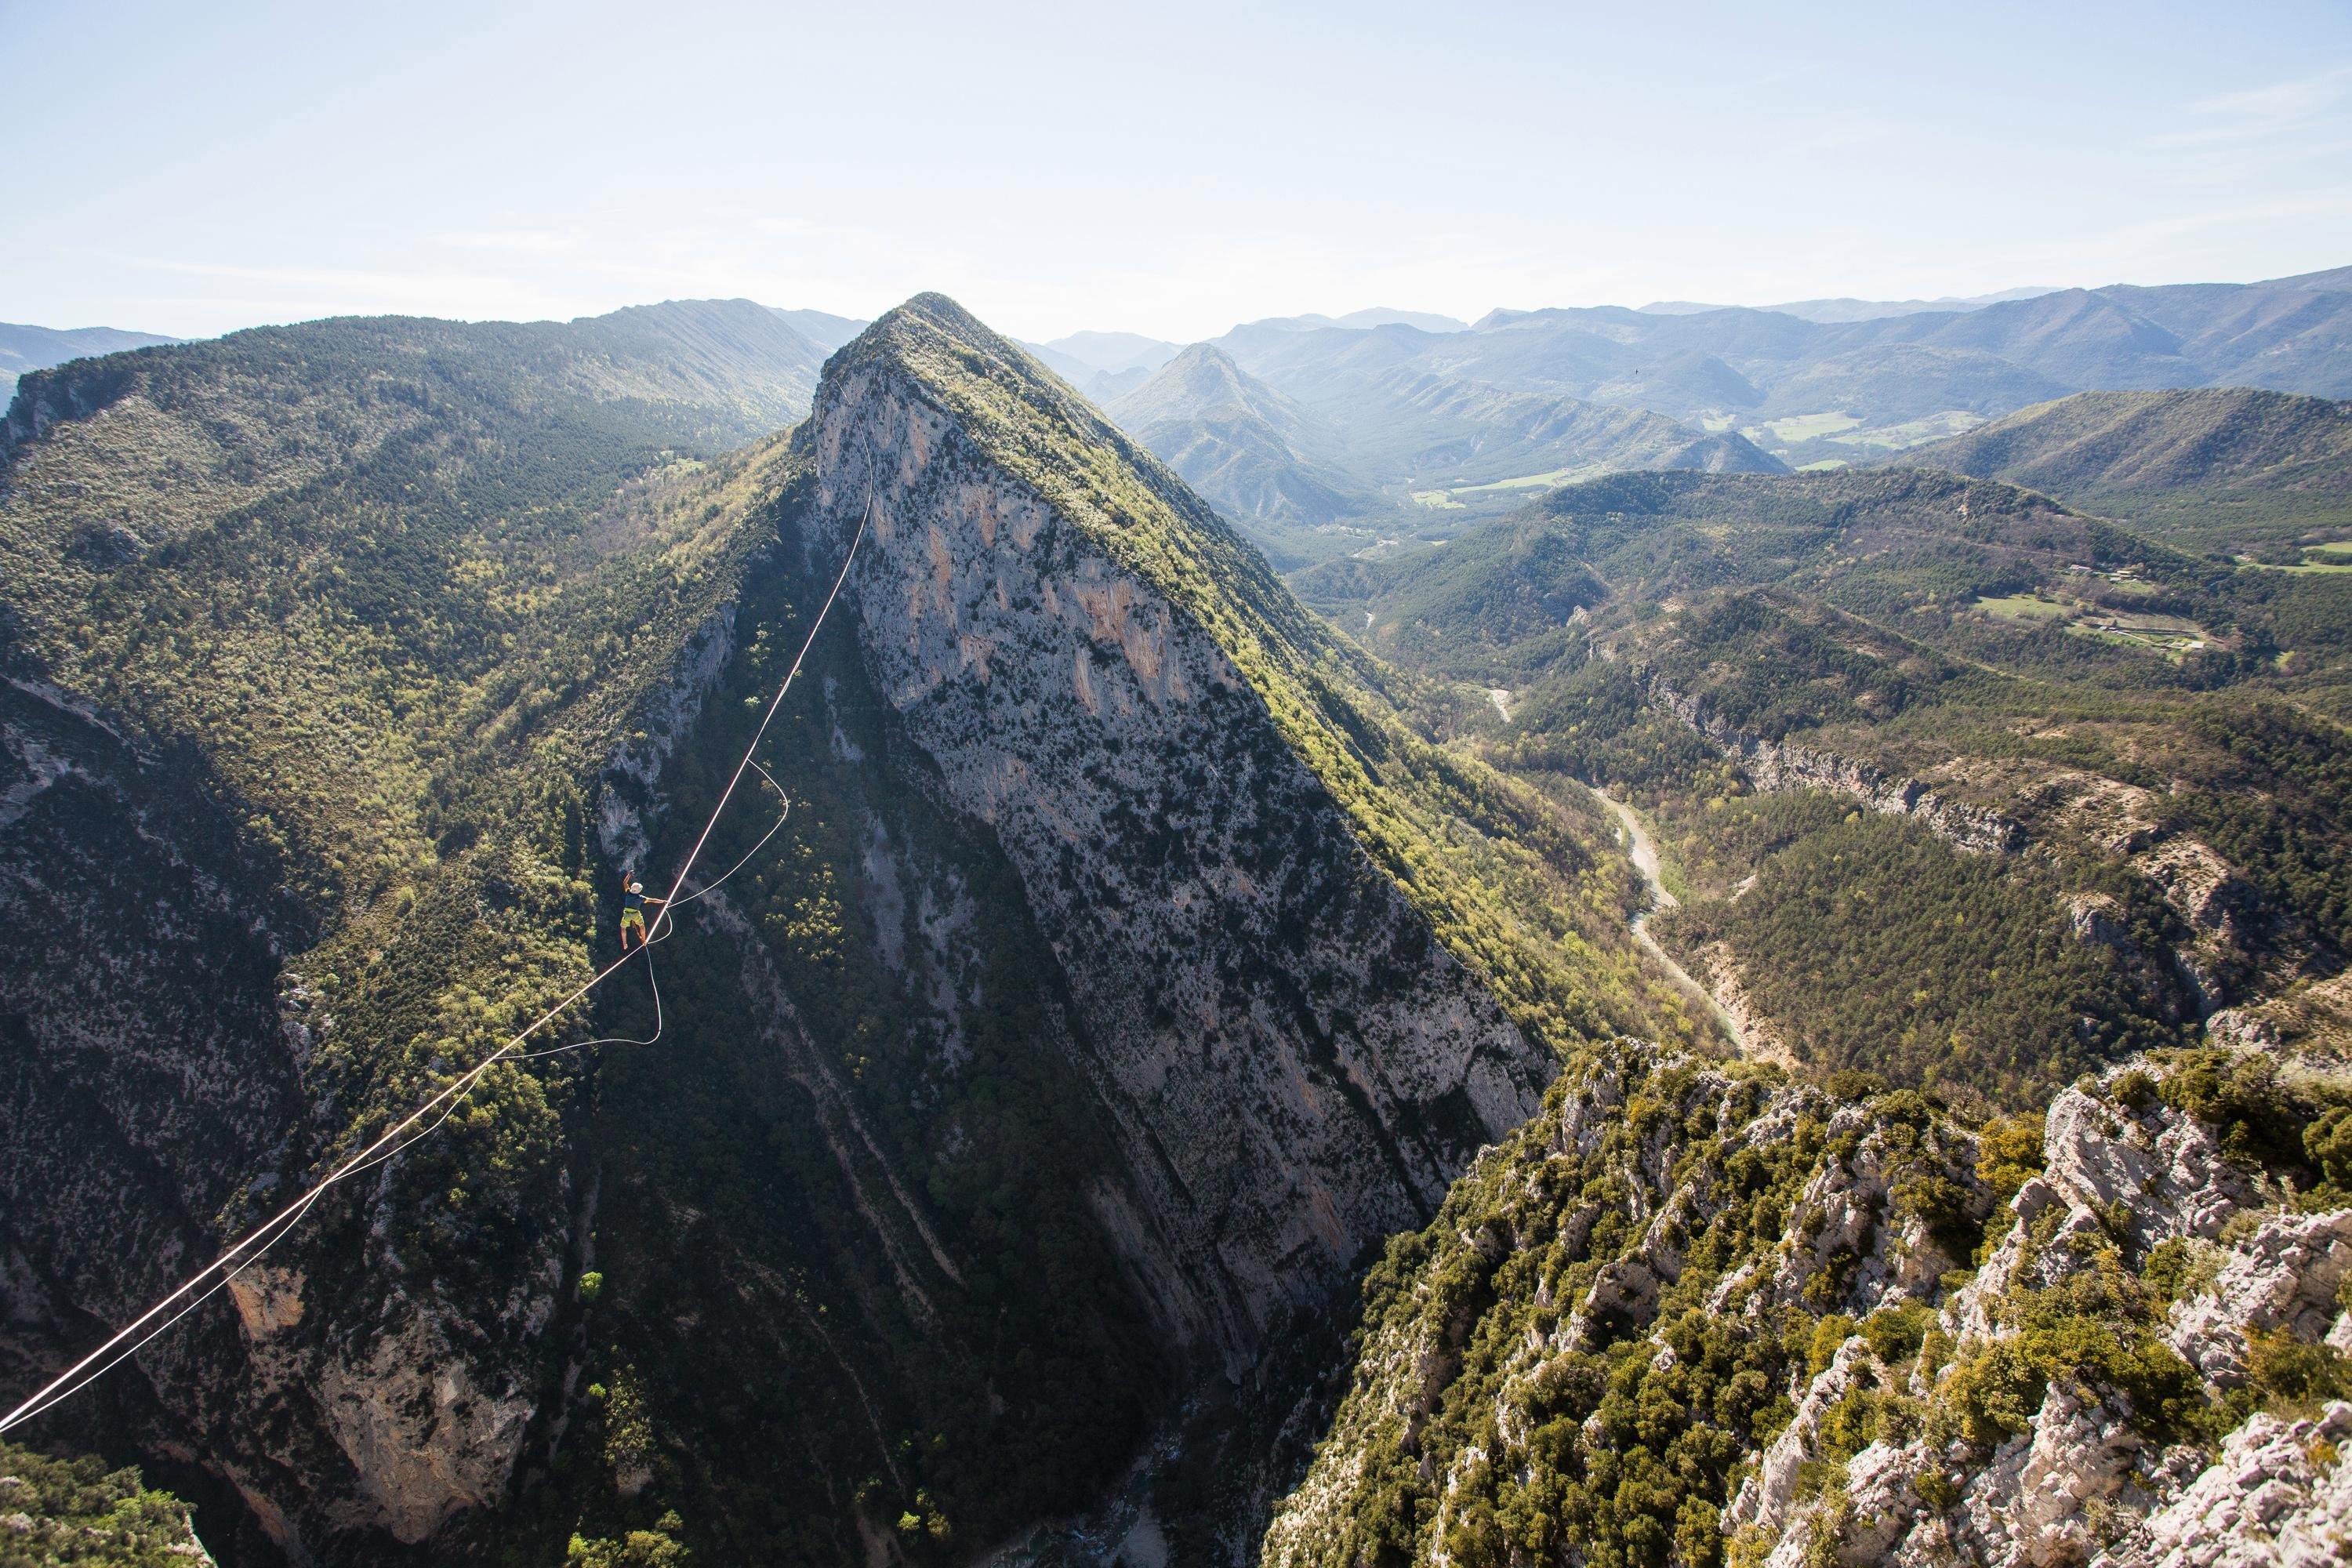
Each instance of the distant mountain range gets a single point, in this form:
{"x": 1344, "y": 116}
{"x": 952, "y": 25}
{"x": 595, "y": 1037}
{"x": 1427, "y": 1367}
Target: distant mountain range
{"x": 25, "y": 349}
{"x": 1846, "y": 308}
{"x": 1325, "y": 435}
{"x": 1364, "y": 442}
{"x": 1104, "y": 365}
{"x": 1245, "y": 447}
{"x": 827, "y": 330}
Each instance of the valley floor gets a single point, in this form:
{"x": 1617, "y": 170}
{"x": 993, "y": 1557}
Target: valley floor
{"x": 1643, "y": 850}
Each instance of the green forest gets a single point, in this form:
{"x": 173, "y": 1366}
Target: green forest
{"x": 1843, "y": 614}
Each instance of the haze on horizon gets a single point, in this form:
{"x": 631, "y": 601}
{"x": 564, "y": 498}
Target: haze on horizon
{"x": 1162, "y": 172}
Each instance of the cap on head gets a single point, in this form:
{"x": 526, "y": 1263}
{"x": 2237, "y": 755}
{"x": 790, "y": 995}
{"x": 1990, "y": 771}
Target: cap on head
{"x": 637, "y": 887}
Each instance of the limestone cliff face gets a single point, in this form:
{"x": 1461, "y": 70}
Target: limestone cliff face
{"x": 1776, "y": 765}
{"x": 1293, "y": 1067}
{"x": 148, "y": 1081}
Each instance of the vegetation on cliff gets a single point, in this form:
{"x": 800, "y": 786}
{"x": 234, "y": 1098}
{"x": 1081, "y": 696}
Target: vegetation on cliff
{"x": 1510, "y": 880}
{"x": 1664, "y": 1323}
{"x": 75, "y": 1513}
{"x": 395, "y": 593}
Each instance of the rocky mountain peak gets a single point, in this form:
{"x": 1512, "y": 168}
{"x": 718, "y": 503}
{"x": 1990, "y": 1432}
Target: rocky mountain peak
{"x": 1093, "y": 660}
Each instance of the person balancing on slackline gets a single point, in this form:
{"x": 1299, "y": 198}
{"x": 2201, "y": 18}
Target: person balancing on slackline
{"x": 632, "y": 912}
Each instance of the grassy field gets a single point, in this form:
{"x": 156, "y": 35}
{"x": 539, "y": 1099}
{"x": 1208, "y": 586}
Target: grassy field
{"x": 2024, "y": 607}
{"x": 2334, "y": 556}
{"x": 1799, "y": 427}
{"x": 1815, "y": 443}
{"x": 1461, "y": 497}
{"x": 1914, "y": 432}
{"x": 2171, "y": 635}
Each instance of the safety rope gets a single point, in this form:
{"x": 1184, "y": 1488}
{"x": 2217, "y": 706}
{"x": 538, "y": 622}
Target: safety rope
{"x": 127, "y": 1340}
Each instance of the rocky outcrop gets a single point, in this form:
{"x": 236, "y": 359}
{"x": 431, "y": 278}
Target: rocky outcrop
{"x": 1293, "y": 1067}
{"x": 2091, "y": 1476}
{"x": 158, "y": 1079}
{"x": 2056, "y": 1408}
{"x": 1777, "y": 766}
{"x": 2277, "y": 1494}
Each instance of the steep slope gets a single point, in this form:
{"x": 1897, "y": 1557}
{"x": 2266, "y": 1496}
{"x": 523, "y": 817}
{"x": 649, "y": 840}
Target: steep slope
{"x": 1239, "y": 443}
{"x": 729, "y": 354}
{"x": 1021, "y": 707}
{"x": 314, "y": 636}
{"x": 1125, "y": 969}
{"x": 1140, "y": 998}
{"x": 1695, "y": 1317}
{"x": 2226, "y": 467}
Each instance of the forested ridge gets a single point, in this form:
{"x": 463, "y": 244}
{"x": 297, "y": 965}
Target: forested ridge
{"x": 2168, "y": 794}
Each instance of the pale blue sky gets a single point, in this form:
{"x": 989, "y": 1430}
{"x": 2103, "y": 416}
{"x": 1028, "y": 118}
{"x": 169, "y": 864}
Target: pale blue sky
{"x": 1169, "y": 170}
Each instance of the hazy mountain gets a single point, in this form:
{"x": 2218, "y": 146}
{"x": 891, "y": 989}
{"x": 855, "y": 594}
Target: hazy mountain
{"x": 1348, "y": 425}
{"x": 1114, "y": 352}
{"x": 1434, "y": 432}
{"x": 1099, "y": 384}
{"x": 1411, "y": 405}
{"x": 1687, "y": 384}
{"x": 1815, "y": 384}
{"x": 2229, "y": 467}
{"x": 1321, "y": 364}
{"x": 827, "y": 331}
{"x": 1900, "y": 381}
{"x": 2336, "y": 280}
{"x": 1852, "y": 309}
{"x": 722, "y": 352}
{"x": 1378, "y": 316}
{"x": 24, "y": 348}
{"x": 1241, "y": 444}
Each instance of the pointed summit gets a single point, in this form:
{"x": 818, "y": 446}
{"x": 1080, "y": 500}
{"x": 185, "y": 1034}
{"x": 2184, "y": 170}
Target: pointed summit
{"x": 1227, "y": 836}
{"x": 933, "y": 371}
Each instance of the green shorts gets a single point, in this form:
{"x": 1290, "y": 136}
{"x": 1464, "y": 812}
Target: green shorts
{"x": 633, "y": 917}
